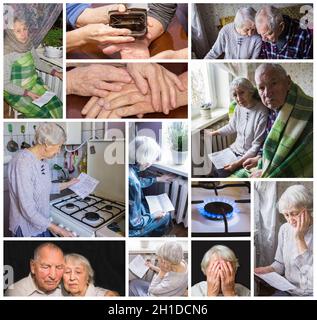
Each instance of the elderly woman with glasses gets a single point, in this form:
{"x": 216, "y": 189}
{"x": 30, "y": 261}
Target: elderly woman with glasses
{"x": 238, "y": 40}
{"x": 219, "y": 265}
{"x": 294, "y": 253}
{"x": 30, "y": 185}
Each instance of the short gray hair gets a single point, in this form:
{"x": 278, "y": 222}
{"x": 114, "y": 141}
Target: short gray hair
{"x": 272, "y": 14}
{"x": 50, "y": 245}
{"x": 243, "y": 15}
{"x": 171, "y": 251}
{"x": 244, "y": 83}
{"x": 84, "y": 262}
{"x": 49, "y": 133}
{"x": 279, "y": 70}
{"x": 297, "y": 196}
{"x": 221, "y": 252}
{"x": 143, "y": 150}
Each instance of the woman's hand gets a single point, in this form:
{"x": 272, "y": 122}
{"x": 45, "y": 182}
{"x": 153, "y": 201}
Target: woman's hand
{"x": 59, "y": 75}
{"x": 256, "y": 174}
{"x": 60, "y": 231}
{"x": 213, "y": 279}
{"x": 96, "y": 80}
{"x": 65, "y": 185}
{"x": 165, "y": 178}
{"x": 250, "y": 163}
{"x": 263, "y": 270}
{"x": 232, "y": 167}
{"x": 32, "y": 95}
{"x": 161, "y": 83}
{"x": 212, "y": 133}
{"x": 227, "y": 276}
{"x": 172, "y": 54}
{"x": 302, "y": 225}
{"x": 111, "y": 293}
{"x": 158, "y": 215}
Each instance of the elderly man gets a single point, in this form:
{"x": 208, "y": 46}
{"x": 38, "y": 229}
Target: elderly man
{"x": 282, "y": 37}
{"x": 47, "y": 268}
{"x": 288, "y": 148}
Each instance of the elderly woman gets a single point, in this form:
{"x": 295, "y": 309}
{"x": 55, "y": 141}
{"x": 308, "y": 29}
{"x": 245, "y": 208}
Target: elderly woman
{"x": 294, "y": 253}
{"x": 30, "y": 185}
{"x": 219, "y": 265}
{"x": 78, "y": 278}
{"x": 248, "y": 123}
{"x": 171, "y": 278}
{"x": 22, "y": 85}
{"x": 144, "y": 151}
{"x": 238, "y": 40}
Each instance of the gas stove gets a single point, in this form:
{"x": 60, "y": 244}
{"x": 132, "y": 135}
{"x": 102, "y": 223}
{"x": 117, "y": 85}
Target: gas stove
{"x": 92, "y": 216}
{"x": 221, "y": 209}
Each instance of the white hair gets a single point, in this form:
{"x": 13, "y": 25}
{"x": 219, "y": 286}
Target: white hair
{"x": 171, "y": 251}
{"x": 143, "y": 150}
{"x": 50, "y": 245}
{"x": 243, "y": 15}
{"x": 264, "y": 67}
{"x": 78, "y": 258}
{"x": 242, "y": 82}
{"x": 297, "y": 196}
{"x": 272, "y": 15}
{"x": 219, "y": 251}
{"x": 49, "y": 133}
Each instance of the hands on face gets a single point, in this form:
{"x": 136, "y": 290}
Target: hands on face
{"x": 302, "y": 225}
{"x": 220, "y": 278}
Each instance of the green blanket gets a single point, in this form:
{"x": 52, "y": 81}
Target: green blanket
{"x": 288, "y": 148}
{"x": 23, "y": 74}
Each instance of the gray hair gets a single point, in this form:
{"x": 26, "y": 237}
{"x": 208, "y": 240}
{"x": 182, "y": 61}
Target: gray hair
{"x": 272, "y": 14}
{"x": 84, "y": 262}
{"x": 264, "y": 67}
{"x": 143, "y": 150}
{"x": 50, "y": 245}
{"x": 243, "y": 15}
{"x": 244, "y": 83}
{"x": 50, "y": 133}
{"x": 221, "y": 252}
{"x": 297, "y": 196}
{"x": 171, "y": 251}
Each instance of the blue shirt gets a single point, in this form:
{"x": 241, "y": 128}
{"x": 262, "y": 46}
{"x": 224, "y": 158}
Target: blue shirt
{"x": 138, "y": 209}
{"x": 73, "y": 11}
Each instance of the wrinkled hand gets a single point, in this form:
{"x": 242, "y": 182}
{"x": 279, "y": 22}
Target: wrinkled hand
{"x": 136, "y": 50}
{"x": 303, "y": 224}
{"x": 59, "y": 75}
{"x": 263, "y": 270}
{"x": 111, "y": 293}
{"x": 232, "y": 167}
{"x": 161, "y": 83}
{"x": 32, "y": 95}
{"x": 213, "y": 279}
{"x": 165, "y": 178}
{"x": 102, "y": 34}
{"x": 256, "y": 174}
{"x": 96, "y": 80}
{"x": 227, "y": 276}
{"x": 98, "y": 15}
{"x": 211, "y": 133}
{"x": 250, "y": 163}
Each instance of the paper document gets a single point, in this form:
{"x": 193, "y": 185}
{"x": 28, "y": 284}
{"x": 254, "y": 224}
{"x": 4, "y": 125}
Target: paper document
{"x": 160, "y": 203}
{"x": 138, "y": 266}
{"x": 44, "y": 99}
{"x": 222, "y": 158}
{"x": 276, "y": 281}
{"x": 85, "y": 186}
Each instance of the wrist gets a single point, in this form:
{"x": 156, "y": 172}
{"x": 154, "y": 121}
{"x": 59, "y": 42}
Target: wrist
{"x": 82, "y": 18}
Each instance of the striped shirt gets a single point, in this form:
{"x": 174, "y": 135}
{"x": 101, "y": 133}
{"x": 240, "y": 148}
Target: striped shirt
{"x": 29, "y": 189}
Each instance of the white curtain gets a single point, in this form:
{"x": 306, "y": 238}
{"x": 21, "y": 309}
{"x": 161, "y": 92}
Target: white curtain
{"x": 199, "y": 45}
{"x": 266, "y": 221}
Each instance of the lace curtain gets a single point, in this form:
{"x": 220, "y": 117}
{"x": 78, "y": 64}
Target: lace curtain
{"x": 40, "y": 17}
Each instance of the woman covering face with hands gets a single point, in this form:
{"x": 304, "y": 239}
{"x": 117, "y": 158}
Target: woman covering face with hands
{"x": 294, "y": 253}
{"x": 220, "y": 265}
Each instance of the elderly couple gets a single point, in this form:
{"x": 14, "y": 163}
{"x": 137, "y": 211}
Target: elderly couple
{"x": 265, "y": 34}
{"x": 55, "y": 274}
{"x": 274, "y": 127}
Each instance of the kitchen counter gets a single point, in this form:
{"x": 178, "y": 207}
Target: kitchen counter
{"x": 64, "y": 193}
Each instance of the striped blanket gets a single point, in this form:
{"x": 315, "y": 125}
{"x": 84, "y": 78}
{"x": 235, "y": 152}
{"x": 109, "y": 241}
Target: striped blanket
{"x": 23, "y": 74}
{"x": 288, "y": 148}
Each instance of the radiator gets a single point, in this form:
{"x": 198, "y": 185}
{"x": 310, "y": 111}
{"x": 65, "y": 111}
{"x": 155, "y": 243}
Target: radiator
{"x": 55, "y": 84}
{"x": 178, "y": 193}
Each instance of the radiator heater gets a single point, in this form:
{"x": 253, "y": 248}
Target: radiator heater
{"x": 178, "y": 193}
{"x": 55, "y": 84}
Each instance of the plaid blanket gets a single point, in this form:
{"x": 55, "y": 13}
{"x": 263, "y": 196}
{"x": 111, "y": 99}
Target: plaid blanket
{"x": 23, "y": 74}
{"x": 288, "y": 148}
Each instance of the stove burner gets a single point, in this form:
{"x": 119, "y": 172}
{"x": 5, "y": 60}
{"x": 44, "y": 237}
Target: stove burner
{"x": 108, "y": 207}
{"x": 216, "y": 210}
{"x": 92, "y": 216}
{"x": 70, "y": 206}
{"x": 87, "y": 199}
